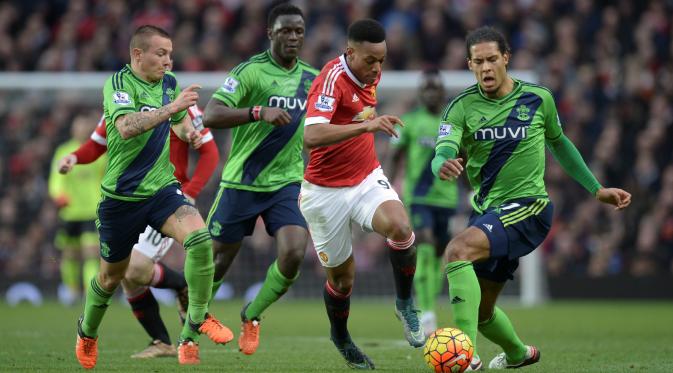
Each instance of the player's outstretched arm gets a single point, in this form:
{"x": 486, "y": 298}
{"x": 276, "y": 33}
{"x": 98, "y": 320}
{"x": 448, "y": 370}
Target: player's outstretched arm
{"x": 87, "y": 153}
{"x": 570, "y": 159}
{"x": 134, "y": 124}
{"x": 209, "y": 157}
{"x": 324, "y": 134}
{"x": 219, "y": 115}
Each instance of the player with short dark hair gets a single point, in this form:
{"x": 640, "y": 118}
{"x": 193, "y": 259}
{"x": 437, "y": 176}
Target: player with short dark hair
{"x": 263, "y": 100}
{"x": 431, "y": 201}
{"x": 503, "y": 124}
{"x": 344, "y": 183}
{"x": 142, "y": 103}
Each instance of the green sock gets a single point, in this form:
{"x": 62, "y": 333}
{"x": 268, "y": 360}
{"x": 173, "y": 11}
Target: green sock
{"x": 97, "y": 302}
{"x": 437, "y": 279}
{"x": 70, "y": 274}
{"x": 90, "y": 269}
{"x": 465, "y": 296}
{"x": 216, "y": 287}
{"x": 423, "y": 277}
{"x": 199, "y": 271}
{"x": 275, "y": 285}
{"x": 500, "y": 331}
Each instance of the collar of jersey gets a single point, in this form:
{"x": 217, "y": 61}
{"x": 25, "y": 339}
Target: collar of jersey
{"x": 141, "y": 80}
{"x": 515, "y": 90}
{"x": 350, "y": 74}
{"x": 275, "y": 63}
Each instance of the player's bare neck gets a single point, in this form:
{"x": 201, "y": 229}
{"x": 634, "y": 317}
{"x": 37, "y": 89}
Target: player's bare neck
{"x": 288, "y": 65}
{"x": 139, "y": 73}
{"x": 348, "y": 64}
{"x": 505, "y": 88}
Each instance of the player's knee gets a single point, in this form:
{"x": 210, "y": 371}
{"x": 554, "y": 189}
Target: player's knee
{"x": 292, "y": 259}
{"x": 343, "y": 285}
{"x": 110, "y": 281}
{"x": 135, "y": 273}
{"x": 400, "y": 231}
{"x": 457, "y": 250}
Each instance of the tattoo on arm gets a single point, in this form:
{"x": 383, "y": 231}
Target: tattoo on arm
{"x": 131, "y": 125}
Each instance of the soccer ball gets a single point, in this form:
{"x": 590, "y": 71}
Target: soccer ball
{"x": 448, "y": 350}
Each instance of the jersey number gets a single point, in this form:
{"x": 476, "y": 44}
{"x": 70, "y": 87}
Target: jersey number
{"x": 154, "y": 237}
{"x": 384, "y": 183}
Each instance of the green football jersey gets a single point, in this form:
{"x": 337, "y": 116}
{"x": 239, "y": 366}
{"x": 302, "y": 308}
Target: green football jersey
{"x": 138, "y": 167}
{"x": 504, "y": 140}
{"x": 263, "y": 157}
{"x": 80, "y": 186}
{"x": 417, "y": 138}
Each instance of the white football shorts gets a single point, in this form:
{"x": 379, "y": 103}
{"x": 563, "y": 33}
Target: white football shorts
{"x": 329, "y": 213}
{"x": 152, "y": 244}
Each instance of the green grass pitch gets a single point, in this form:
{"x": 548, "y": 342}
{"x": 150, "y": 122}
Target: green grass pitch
{"x": 572, "y": 336}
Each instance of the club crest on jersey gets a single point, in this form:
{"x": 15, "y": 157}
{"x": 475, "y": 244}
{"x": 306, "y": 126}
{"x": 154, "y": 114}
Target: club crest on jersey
{"x": 325, "y": 103}
{"x": 230, "y": 84}
{"x": 323, "y": 257}
{"x": 444, "y": 130}
{"x": 501, "y": 133}
{"x": 367, "y": 113}
{"x": 372, "y": 90}
{"x": 522, "y": 113}
{"x": 121, "y": 98}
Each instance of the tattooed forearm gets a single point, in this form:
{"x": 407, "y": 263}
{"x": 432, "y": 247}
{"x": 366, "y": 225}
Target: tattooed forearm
{"x": 131, "y": 125}
{"x": 185, "y": 211}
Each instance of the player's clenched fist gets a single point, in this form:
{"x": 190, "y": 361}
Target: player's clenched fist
{"x": 188, "y": 97}
{"x": 275, "y": 116}
{"x": 66, "y": 163}
{"x": 451, "y": 169}
{"x": 195, "y": 139}
{"x": 619, "y": 198}
{"x": 385, "y": 124}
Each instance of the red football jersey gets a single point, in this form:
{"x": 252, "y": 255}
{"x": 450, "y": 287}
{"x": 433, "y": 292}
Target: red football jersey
{"x": 338, "y": 97}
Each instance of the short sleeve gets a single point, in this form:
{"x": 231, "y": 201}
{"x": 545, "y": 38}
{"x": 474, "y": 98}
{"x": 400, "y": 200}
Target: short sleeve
{"x": 451, "y": 126}
{"x": 235, "y": 86}
{"x": 323, "y": 99}
{"x": 552, "y": 121}
{"x": 118, "y": 97}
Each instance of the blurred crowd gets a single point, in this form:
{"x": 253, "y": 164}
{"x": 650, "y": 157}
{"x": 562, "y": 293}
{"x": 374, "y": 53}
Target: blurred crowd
{"x": 609, "y": 64}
